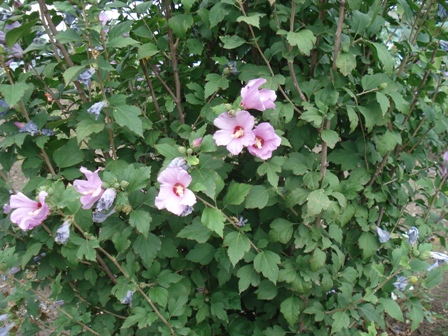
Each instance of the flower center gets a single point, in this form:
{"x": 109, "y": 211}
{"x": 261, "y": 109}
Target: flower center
{"x": 238, "y": 132}
{"x": 35, "y": 212}
{"x": 258, "y": 143}
{"x": 178, "y": 189}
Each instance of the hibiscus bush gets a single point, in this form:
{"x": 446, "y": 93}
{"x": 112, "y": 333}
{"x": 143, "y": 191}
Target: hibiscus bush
{"x": 222, "y": 167}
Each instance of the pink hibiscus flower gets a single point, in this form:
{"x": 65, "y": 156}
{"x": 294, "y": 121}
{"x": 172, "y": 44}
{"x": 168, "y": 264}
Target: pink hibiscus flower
{"x": 235, "y": 131}
{"x": 253, "y": 98}
{"x": 266, "y": 141}
{"x": 174, "y": 195}
{"x": 90, "y": 189}
{"x": 28, "y": 213}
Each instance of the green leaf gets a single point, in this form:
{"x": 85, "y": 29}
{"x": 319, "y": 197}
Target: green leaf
{"x": 67, "y": 36}
{"x": 31, "y": 251}
{"x": 253, "y": 19}
{"x": 87, "y": 249}
{"x": 141, "y": 220}
{"x": 340, "y": 321}
{"x": 281, "y": 230}
{"x": 15, "y": 34}
{"x": 237, "y": 193}
{"x": 201, "y": 253}
{"x": 416, "y": 315}
{"x": 353, "y": 117}
{"x": 180, "y": 24}
{"x": 147, "y": 247}
{"x": 297, "y": 163}
{"x": 318, "y": 259}
{"x": 346, "y": 63}
{"x": 126, "y": 115}
{"x": 147, "y": 50}
{"x": 266, "y": 263}
{"x": 383, "y": 101}
{"x": 330, "y": 137}
{"x": 120, "y": 42}
{"x": 232, "y": 42}
{"x": 304, "y": 40}
{"x": 72, "y": 73}
{"x": 214, "y": 82}
{"x": 383, "y": 55}
{"x": 369, "y": 244}
{"x": 238, "y": 244}
{"x": 266, "y": 290}
{"x": 388, "y": 142}
{"x": 86, "y": 127}
{"x": 392, "y": 308}
{"x": 159, "y": 295}
{"x": 196, "y": 231}
{"x": 258, "y": 197}
{"x": 290, "y": 308}
{"x": 248, "y": 276}
{"x": 218, "y": 12}
{"x": 13, "y": 93}
{"x": 271, "y": 168}
{"x": 68, "y": 155}
{"x": 317, "y": 202}
{"x": 214, "y": 220}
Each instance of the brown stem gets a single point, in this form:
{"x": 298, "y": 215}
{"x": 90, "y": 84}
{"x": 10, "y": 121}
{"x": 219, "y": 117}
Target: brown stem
{"x": 47, "y": 16}
{"x": 337, "y": 37}
{"x": 173, "y": 50}
{"x": 151, "y": 88}
{"x": 379, "y": 169}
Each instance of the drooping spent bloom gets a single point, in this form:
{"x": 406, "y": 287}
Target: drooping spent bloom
{"x": 85, "y": 76}
{"x": 383, "y": 235}
{"x": 6, "y": 208}
{"x": 96, "y": 109}
{"x": 431, "y": 267}
{"x": 14, "y": 270}
{"x": 412, "y": 235}
{"x": 29, "y": 127}
{"x": 28, "y": 213}
{"x": 47, "y": 132}
{"x": 4, "y": 107}
{"x": 253, "y": 98}
{"x": 174, "y": 195}
{"x": 63, "y": 233}
{"x": 188, "y": 210}
{"x": 128, "y": 298}
{"x": 100, "y": 216}
{"x": 401, "y": 283}
{"x": 241, "y": 221}
{"x": 266, "y": 141}
{"x": 235, "y": 131}
{"x": 444, "y": 163}
{"x": 439, "y": 256}
{"x": 106, "y": 200}
{"x": 179, "y": 162}
{"x": 90, "y": 189}
{"x": 16, "y": 51}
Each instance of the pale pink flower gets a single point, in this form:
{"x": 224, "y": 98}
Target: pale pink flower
{"x": 266, "y": 141}
{"x": 174, "y": 195}
{"x": 90, "y": 189}
{"x": 28, "y": 213}
{"x": 103, "y": 17}
{"x": 253, "y": 98}
{"x": 235, "y": 131}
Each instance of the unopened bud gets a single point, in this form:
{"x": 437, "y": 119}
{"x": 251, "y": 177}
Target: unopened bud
{"x": 105, "y": 185}
{"x": 425, "y": 255}
{"x": 124, "y": 184}
{"x": 413, "y": 280}
{"x": 116, "y": 185}
{"x": 416, "y": 253}
{"x": 228, "y": 107}
{"x": 383, "y": 86}
{"x": 189, "y": 151}
{"x": 181, "y": 149}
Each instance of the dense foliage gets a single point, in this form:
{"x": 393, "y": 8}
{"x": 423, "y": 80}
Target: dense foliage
{"x": 169, "y": 194}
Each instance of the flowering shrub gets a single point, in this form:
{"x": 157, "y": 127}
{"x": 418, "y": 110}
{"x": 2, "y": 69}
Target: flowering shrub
{"x": 223, "y": 167}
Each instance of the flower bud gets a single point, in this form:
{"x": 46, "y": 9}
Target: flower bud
{"x": 383, "y": 86}
{"x": 181, "y": 149}
{"x": 425, "y": 255}
{"x": 197, "y": 142}
{"x": 415, "y": 253}
{"x": 105, "y": 185}
{"x": 116, "y": 185}
{"x": 413, "y": 280}
{"x": 228, "y": 107}
{"x": 189, "y": 151}
{"x": 124, "y": 184}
